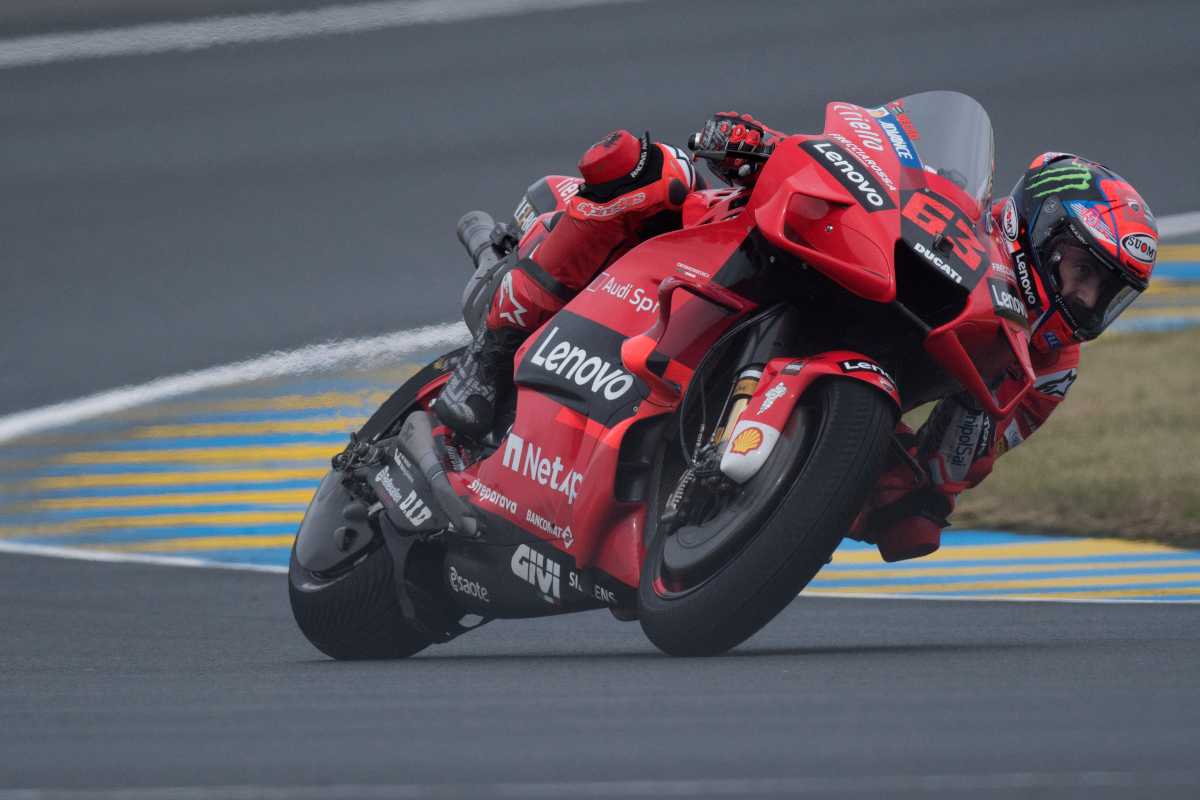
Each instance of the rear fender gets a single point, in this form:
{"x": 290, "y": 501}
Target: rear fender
{"x": 783, "y": 381}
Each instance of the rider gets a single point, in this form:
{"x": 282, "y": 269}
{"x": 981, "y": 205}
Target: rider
{"x": 1060, "y": 225}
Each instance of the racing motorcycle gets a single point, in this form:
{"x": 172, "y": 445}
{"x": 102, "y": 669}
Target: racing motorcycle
{"x": 687, "y": 441}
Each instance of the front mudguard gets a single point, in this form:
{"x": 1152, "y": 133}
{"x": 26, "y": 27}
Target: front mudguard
{"x": 783, "y": 381}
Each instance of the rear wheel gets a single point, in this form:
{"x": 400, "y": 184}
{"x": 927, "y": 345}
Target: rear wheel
{"x": 354, "y": 614}
{"x": 348, "y": 605}
{"x": 710, "y": 584}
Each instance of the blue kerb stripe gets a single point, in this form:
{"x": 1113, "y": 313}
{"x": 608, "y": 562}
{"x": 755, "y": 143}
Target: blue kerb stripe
{"x": 190, "y": 488}
{"x": 207, "y": 442}
{"x": 949, "y": 580}
{"x": 270, "y": 415}
{"x": 61, "y": 470}
{"x": 1155, "y": 324}
{"x": 56, "y": 515}
{"x": 267, "y": 555}
{"x": 917, "y": 564}
{"x": 1178, "y": 270}
{"x": 958, "y": 538}
{"x": 154, "y": 534}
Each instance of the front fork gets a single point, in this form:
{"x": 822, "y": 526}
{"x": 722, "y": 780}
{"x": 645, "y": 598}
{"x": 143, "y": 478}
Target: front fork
{"x": 775, "y": 337}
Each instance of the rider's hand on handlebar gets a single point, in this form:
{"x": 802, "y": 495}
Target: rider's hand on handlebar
{"x": 733, "y": 133}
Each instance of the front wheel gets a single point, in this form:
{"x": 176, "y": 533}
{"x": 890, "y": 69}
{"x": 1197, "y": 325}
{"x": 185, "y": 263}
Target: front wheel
{"x": 775, "y": 534}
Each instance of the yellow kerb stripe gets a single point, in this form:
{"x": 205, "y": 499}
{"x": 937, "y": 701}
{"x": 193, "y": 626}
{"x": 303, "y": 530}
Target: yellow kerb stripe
{"x": 1033, "y": 583}
{"x": 290, "y": 402}
{"x": 209, "y": 455}
{"x": 340, "y": 424}
{"x": 1179, "y": 252}
{"x": 1061, "y": 547}
{"x": 198, "y": 543}
{"x": 215, "y": 519}
{"x": 1004, "y": 569}
{"x": 293, "y": 497}
{"x": 176, "y": 478}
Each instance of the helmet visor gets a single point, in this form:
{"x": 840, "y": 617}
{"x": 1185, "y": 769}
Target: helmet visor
{"x": 1092, "y": 292}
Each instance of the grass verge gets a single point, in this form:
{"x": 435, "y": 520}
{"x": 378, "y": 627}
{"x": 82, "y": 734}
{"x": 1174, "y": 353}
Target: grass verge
{"x": 1120, "y": 457}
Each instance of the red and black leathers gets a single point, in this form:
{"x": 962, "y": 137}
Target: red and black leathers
{"x": 632, "y": 188}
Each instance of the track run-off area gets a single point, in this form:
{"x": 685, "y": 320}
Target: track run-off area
{"x": 223, "y": 476}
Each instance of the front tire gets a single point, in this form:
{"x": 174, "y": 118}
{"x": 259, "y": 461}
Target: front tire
{"x": 824, "y": 472}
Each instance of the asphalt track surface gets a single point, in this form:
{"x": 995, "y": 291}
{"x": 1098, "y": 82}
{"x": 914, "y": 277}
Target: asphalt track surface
{"x": 129, "y": 676}
{"x": 173, "y": 212}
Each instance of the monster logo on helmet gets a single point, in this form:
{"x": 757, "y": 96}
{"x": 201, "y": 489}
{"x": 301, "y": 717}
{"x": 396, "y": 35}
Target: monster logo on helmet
{"x": 1091, "y": 240}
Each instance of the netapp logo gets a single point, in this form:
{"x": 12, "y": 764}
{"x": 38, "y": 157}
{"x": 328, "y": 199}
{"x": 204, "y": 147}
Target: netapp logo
{"x": 575, "y": 364}
{"x": 847, "y": 171}
{"x": 539, "y": 571}
{"x": 527, "y": 459}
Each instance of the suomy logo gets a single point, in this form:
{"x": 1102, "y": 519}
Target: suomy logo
{"x": 577, "y": 365}
{"x": 1008, "y": 221}
{"x": 1141, "y": 246}
{"x": 534, "y": 568}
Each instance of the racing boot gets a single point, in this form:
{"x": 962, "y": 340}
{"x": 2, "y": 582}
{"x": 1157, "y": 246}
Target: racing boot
{"x": 483, "y": 373}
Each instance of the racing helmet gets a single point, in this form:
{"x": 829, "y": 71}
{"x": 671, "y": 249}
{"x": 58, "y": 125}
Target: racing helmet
{"x": 1084, "y": 244}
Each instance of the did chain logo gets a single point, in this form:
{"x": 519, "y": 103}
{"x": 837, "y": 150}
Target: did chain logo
{"x": 1060, "y": 179}
{"x": 541, "y": 572}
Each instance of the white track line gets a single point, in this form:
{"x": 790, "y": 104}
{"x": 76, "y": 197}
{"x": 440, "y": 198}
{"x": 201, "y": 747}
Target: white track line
{"x": 353, "y": 353}
{"x": 77, "y": 554}
{"x": 1179, "y": 225}
{"x": 948, "y": 784}
{"x": 198, "y": 34}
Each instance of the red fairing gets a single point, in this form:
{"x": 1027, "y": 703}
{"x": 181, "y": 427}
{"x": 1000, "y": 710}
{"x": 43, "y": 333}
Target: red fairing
{"x": 640, "y": 318}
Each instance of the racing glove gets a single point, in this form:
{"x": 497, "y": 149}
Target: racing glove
{"x": 733, "y": 133}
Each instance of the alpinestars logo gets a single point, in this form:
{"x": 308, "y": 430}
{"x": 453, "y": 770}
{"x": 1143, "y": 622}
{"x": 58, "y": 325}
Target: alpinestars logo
{"x": 1056, "y": 384}
{"x": 1060, "y": 179}
{"x": 512, "y": 311}
{"x": 577, "y": 365}
{"x": 539, "y": 571}
{"x": 527, "y": 459}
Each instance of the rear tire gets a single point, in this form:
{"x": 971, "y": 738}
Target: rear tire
{"x": 354, "y": 615}
{"x": 828, "y": 475}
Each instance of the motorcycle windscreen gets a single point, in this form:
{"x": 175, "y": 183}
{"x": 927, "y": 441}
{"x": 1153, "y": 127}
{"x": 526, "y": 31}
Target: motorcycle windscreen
{"x": 945, "y": 147}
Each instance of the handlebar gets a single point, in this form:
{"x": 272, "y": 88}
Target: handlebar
{"x": 720, "y": 155}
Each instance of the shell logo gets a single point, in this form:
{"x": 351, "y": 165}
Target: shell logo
{"x": 747, "y": 441}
